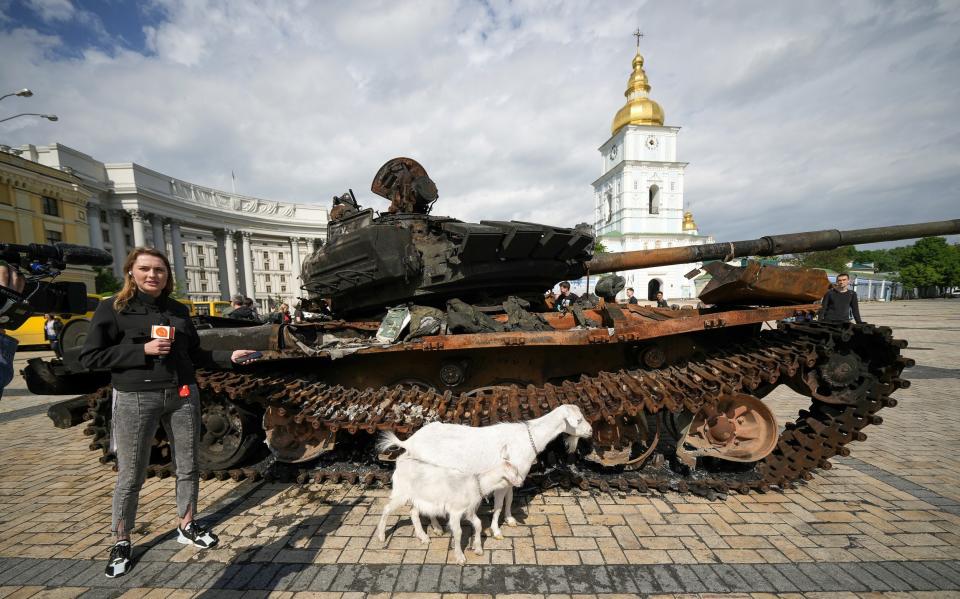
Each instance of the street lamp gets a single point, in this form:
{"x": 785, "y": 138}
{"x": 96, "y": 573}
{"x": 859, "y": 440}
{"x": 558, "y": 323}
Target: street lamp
{"x": 26, "y": 93}
{"x": 49, "y": 117}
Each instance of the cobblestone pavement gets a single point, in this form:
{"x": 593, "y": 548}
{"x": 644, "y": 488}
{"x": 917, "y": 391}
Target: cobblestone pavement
{"x": 885, "y": 521}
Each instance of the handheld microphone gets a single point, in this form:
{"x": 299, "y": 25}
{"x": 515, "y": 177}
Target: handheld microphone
{"x": 81, "y": 254}
{"x": 162, "y": 331}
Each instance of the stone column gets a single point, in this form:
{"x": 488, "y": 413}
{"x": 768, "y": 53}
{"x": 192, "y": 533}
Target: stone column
{"x": 295, "y": 265}
{"x": 117, "y": 242}
{"x": 139, "y": 234}
{"x": 225, "y": 266}
{"x": 179, "y": 264}
{"x": 93, "y": 220}
{"x": 230, "y": 252}
{"x": 158, "y": 240}
{"x": 249, "y": 287}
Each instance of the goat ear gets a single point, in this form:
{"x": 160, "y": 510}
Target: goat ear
{"x": 572, "y": 420}
{"x": 504, "y": 454}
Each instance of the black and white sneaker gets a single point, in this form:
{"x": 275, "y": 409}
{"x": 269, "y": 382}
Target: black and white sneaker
{"x": 119, "y": 559}
{"x": 197, "y": 536}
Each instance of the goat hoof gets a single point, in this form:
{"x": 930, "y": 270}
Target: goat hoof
{"x": 436, "y": 531}
{"x": 425, "y": 539}
{"x": 498, "y": 536}
{"x": 478, "y": 551}
{"x": 510, "y": 521}
{"x": 461, "y": 559}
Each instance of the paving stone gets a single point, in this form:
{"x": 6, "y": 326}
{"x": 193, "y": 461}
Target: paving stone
{"x": 429, "y": 580}
{"x": 864, "y": 575}
{"x": 385, "y": 580}
{"x": 556, "y": 579}
{"x": 588, "y": 579}
{"x": 522, "y": 579}
{"x": 803, "y": 583}
{"x": 449, "y": 579}
{"x": 324, "y": 578}
{"x": 689, "y": 581}
{"x": 844, "y": 580}
{"x": 917, "y": 582}
{"x": 407, "y": 579}
{"x": 890, "y": 579}
{"x": 471, "y": 579}
{"x": 732, "y": 580}
{"x": 710, "y": 579}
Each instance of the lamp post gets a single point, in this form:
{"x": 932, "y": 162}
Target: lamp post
{"x": 26, "y": 93}
{"x": 49, "y": 117}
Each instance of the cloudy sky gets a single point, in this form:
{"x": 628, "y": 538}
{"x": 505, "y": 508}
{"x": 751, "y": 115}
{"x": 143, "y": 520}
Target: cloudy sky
{"x": 795, "y": 115}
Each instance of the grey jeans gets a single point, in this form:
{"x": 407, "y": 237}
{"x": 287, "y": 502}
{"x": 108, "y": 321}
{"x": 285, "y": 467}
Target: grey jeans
{"x": 136, "y": 415}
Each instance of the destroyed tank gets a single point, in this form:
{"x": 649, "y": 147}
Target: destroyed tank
{"x": 440, "y": 320}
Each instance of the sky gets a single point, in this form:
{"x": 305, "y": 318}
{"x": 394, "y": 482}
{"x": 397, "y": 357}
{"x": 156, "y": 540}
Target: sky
{"x": 794, "y": 115}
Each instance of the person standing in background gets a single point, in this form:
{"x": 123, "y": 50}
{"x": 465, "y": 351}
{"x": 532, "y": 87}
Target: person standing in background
{"x": 51, "y": 332}
{"x": 10, "y": 278}
{"x": 840, "y": 302}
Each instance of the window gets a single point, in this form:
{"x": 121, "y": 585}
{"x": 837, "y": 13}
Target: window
{"x": 106, "y": 235}
{"x": 203, "y": 275}
{"x": 269, "y": 289}
{"x": 654, "y": 199}
{"x": 50, "y": 206}
{"x": 200, "y": 259}
{"x": 283, "y": 266}
{"x": 266, "y": 256}
{"x": 203, "y": 286}
{"x": 283, "y": 278}
{"x": 126, "y": 238}
{"x": 283, "y": 288}
{"x": 281, "y": 257}
{"x": 53, "y": 236}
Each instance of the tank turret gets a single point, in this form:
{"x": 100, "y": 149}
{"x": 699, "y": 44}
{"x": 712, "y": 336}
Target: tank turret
{"x": 406, "y": 254}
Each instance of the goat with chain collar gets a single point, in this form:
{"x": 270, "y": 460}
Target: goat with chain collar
{"x": 474, "y": 449}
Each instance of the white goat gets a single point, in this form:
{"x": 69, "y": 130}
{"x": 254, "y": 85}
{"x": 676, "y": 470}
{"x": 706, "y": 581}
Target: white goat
{"x": 474, "y": 449}
{"x": 442, "y": 491}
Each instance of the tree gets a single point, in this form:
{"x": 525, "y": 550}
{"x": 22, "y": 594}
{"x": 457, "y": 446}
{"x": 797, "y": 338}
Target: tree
{"x": 599, "y": 248}
{"x": 106, "y": 282}
{"x": 836, "y": 259}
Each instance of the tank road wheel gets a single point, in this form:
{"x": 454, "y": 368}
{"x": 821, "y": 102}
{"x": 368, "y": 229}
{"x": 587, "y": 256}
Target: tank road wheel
{"x": 296, "y": 439}
{"x": 228, "y": 433}
{"x": 627, "y": 442}
{"x": 738, "y": 428}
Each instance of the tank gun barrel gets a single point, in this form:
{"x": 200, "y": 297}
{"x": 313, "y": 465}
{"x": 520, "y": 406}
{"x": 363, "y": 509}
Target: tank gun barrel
{"x": 771, "y": 245}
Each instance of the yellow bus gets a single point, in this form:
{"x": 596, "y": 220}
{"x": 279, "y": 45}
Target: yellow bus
{"x": 214, "y": 308}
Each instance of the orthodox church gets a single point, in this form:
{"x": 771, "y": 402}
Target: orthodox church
{"x": 638, "y": 199}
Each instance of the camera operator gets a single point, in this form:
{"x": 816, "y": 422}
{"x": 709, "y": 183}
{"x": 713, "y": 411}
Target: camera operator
{"x": 153, "y": 383}
{"x": 11, "y": 278}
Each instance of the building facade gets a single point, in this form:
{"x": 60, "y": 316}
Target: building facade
{"x": 40, "y": 204}
{"x": 220, "y": 243}
{"x": 638, "y": 199}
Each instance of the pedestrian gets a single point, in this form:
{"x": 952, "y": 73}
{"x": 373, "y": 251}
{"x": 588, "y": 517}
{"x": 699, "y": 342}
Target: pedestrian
{"x": 630, "y": 298}
{"x": 252, "y": 306}
{"x": 840, "y": 302}
{"x": 152, "y": 372}
{"x": 566, "y": 297}
{"x": 235, "y": 303}
{"x": 242, "y": 311}
{"x": 10, "y": 278}
{"x": 661, "y": 303}
{"x": 298, "y": 314}
{"x": 281, "y": 315}
{"x": 51, "y": 331}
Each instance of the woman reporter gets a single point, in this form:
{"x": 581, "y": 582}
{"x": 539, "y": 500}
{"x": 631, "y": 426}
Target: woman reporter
{"x": 153, "y": 382}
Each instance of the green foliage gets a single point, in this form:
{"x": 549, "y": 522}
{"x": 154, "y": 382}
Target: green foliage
{"x": 883, "y": 260}
{"x": 835, "y": 260}
{"x": 106, "y": 283}
{"x": 599, "y": 248}
{"x": 929, "y": 263}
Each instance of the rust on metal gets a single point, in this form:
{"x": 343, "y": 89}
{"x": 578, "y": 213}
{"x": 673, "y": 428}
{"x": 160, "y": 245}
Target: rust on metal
{"x": 764, "y": 285}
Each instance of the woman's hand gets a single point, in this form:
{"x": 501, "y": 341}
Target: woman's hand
{"x": 157, "y": 347}
{"x": 237, "y": 356}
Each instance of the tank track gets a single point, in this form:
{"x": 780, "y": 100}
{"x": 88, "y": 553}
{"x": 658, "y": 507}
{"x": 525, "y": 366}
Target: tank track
{"x": 791, "y": 355}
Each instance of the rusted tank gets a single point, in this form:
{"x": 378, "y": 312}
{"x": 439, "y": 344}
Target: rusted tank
{"x": 437, "y": 319}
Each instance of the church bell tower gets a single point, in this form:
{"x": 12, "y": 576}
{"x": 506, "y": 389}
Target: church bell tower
{"x": 638, "y": 199}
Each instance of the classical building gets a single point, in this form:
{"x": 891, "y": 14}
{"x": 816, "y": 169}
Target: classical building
{"x": 40, "y": 204}
{"x": 220, "y": 243}
{"x": 638, "y": 198}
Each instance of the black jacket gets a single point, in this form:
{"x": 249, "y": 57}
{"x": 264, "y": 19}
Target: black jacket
{"x": 838, "y": 307}
{"x": 115, "y": 341}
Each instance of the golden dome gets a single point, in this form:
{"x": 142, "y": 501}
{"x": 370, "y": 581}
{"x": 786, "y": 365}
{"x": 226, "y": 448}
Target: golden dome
{"x": 688, "y": 224}
{"x": 639, "y": 109}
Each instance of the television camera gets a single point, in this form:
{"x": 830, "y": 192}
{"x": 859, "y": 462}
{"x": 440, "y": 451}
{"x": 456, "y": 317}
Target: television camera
{"x": 39, "y": 264}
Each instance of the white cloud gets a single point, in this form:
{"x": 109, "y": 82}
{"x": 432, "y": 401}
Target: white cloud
{"x": 794, "y": 116}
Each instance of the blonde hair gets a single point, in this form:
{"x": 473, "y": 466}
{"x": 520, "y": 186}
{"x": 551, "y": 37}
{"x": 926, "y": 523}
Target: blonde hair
{"x": 129, "y": 285}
